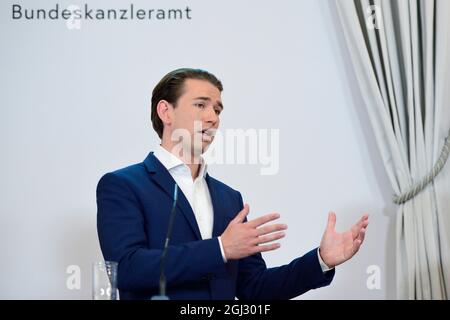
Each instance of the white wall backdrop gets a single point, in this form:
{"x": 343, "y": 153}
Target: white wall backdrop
{"x": 75, "y": 104}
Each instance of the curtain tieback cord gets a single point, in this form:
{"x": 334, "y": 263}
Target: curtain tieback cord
{"x": 416, "y": 188}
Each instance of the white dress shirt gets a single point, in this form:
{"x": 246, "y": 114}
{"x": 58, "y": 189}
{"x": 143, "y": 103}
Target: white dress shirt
{"x": 196, "y": 191}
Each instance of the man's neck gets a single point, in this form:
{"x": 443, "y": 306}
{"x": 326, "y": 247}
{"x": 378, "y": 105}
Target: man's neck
{"x": 195, "y": 169}
{"x": 192, "y": 162}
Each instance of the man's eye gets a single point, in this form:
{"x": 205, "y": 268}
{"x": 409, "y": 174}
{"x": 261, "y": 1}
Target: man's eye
{"x": 218, "y": 111}
{"x": 200, "y": 105}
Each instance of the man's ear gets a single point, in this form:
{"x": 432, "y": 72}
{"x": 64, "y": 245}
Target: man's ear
{"x": 164, "y": 110}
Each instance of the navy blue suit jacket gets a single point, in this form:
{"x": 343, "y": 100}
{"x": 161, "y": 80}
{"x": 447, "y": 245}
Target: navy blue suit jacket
{"x": 134, "y": 205}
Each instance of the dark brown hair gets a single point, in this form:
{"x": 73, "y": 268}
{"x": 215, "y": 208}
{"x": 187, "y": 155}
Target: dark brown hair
{"x": 170, "y": 88}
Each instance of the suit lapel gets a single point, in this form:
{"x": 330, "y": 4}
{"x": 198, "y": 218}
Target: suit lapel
{"x": 218, "y": 208}
{"x": 164, "y": 180}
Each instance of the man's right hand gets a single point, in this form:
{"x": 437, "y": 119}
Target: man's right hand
{"x": 240, "y": 240}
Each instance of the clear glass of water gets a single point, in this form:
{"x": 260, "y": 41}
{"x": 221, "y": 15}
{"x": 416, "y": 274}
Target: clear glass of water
{"x": 104, "y": 280}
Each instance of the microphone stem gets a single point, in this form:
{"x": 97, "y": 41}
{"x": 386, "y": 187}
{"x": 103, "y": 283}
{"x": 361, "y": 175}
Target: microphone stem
{"x": 162, "y": 277}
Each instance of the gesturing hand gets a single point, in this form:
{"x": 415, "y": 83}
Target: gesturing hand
{"x": 240, "y": 240}
{"x": 336, "y": 248}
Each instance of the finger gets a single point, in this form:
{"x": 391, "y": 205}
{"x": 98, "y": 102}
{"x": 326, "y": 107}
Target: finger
{"x": 365, "y": 224}
{"x": 331, "y": 220}
{"x": 362, "y": 235}
{"x": 242, "y": 214}
{"x": 356, "y": 228}
{"x": 272, "y": 228}
{"x": 262, "y": 220}
{"x": 356, "y": 246}
{"x": 365, "y": 220}
{"x": 362, "y": 223}
{"x": 269, "y": 238}
{"x": 266, "y": 247}
{"x": 358, "y": 242}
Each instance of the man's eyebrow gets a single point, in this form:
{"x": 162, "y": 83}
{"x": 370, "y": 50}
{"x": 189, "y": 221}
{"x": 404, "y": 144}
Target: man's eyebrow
{"x": 219, "y": 103}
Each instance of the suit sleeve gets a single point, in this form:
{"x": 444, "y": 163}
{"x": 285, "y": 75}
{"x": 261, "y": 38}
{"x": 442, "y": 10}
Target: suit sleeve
{"x": 122, "y": 236}
{"x": 256, "y": 281}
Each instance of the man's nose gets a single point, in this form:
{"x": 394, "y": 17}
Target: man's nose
{"x": 211, "y": 116}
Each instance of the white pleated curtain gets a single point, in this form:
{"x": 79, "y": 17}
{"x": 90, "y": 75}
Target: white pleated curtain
{"x": 400, "y": 50}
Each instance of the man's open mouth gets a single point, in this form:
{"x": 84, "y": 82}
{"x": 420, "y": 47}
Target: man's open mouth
{"x": 207, "y": 134}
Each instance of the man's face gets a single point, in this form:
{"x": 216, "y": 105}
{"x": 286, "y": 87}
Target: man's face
{"x": 196, "y": 115}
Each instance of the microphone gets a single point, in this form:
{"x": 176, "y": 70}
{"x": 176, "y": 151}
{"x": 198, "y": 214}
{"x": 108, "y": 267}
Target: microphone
{"x": 162, "y": 277}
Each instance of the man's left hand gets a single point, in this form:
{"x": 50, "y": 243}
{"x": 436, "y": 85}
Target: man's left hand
{"x": 336, "y": 248}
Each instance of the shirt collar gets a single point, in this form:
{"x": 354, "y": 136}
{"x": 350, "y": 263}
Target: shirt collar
{"x": 170, "y": 161}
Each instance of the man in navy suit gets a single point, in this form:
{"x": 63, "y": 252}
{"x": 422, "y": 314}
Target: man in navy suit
{"x": 215, "y": 252}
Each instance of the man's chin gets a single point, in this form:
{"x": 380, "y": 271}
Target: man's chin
{"x": 201, "y": 149}
{"x": 206, "y": 145}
